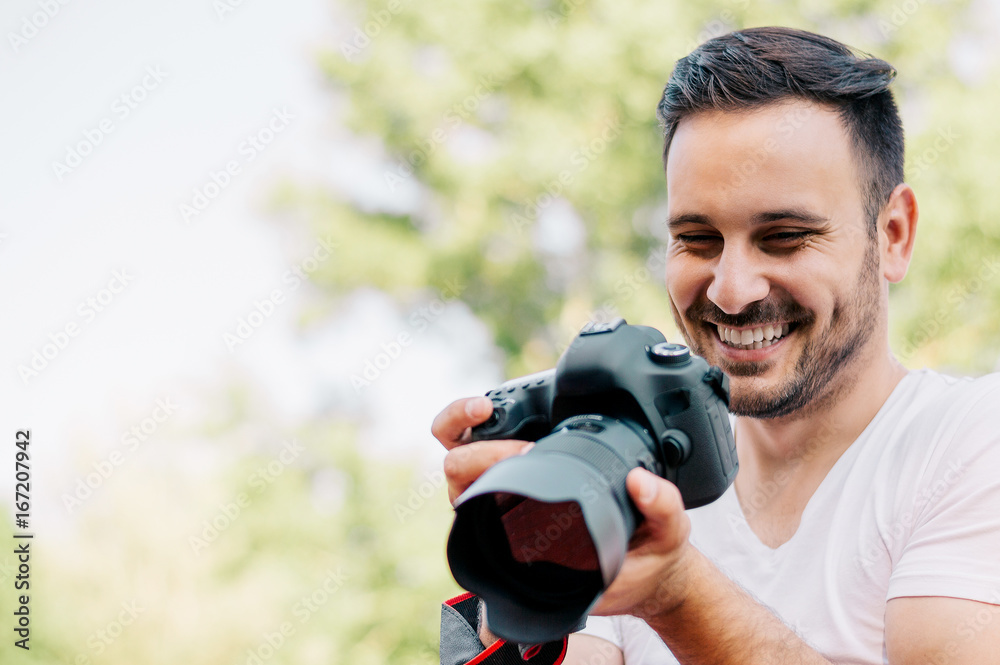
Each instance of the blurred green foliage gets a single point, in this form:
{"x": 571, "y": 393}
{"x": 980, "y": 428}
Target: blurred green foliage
{"x": 532, "y": 85}
{"x": 498, "y": 109}
{"x": 314, "y": 558}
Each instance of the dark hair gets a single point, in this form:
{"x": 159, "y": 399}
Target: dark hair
{"x": 755, "y": 67}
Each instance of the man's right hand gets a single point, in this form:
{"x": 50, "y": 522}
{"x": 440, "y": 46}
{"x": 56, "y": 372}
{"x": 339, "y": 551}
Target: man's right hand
{"x": 467, "y": 459}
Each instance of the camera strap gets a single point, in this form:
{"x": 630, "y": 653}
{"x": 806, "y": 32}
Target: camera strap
{"x": 460, "y": 643}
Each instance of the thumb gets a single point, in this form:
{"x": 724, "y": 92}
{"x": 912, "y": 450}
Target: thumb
{"x": 660, "y": 502}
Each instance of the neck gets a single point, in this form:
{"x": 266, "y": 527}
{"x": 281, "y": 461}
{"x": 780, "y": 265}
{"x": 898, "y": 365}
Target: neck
{"x": 817, "y": 435}
{"x": 784, "y": 460}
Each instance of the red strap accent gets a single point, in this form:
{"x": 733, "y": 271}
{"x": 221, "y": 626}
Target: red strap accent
{"x": 562, "y": 656}
{"x": 531, "y": 653}
{"x": 484, "y": 655}
{"x": 496, "y": 646}
{"x": 459, "y": 599}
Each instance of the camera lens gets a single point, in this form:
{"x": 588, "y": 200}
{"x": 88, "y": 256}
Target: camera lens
{"x": 540, "y": 536}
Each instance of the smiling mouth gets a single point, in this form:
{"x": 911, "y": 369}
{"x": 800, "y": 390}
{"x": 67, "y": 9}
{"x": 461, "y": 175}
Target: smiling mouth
{"x": 758, "y": 337}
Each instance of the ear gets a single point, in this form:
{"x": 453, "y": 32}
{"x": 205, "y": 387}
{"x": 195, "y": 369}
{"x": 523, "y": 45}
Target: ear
{"x": 897, "y": 228}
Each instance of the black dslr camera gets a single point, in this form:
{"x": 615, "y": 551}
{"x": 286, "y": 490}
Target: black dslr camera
{"x": 540, "y": 536}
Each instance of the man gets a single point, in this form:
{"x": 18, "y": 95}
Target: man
{"x": 864, "y": 522}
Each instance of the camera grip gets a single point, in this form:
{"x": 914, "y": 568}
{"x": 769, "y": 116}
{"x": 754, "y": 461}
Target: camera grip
{"x": 520, "y": 409}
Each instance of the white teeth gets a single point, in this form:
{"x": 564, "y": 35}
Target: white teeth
{"x": 754, "y": 338}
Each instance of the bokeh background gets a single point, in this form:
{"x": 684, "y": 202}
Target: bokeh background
{"x": 248, "y": 249}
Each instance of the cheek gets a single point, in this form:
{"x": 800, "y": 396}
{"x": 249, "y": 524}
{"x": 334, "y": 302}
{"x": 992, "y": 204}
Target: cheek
{"x": 682, "y": 283}
{"x": 815, "y": 286}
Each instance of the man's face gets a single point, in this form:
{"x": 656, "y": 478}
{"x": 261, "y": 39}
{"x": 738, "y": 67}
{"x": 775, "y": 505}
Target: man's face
{"x": 770, "y": 269}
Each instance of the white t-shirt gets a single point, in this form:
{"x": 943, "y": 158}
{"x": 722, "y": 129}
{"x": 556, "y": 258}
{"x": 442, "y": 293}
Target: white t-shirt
{"x": 912, "y": 508}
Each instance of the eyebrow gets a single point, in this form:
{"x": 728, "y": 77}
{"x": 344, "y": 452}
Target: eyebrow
{"x": 796, "y": 214}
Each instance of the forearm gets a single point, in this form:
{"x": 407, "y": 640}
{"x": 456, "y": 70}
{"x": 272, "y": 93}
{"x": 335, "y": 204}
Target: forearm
{"x": 710, "y": 620}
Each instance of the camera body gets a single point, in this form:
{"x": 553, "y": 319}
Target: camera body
{"x": 540, "y": 536}
{"x": 630, "y": 373}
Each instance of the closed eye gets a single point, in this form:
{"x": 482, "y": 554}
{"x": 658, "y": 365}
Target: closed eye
{"x": 783, "y": 236}
{"x": 787, "y": 239}
{"x": 696, "y": 238}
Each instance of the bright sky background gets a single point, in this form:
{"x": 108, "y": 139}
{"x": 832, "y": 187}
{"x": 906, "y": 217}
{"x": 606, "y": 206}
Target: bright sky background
{"x": 61, "y": 241}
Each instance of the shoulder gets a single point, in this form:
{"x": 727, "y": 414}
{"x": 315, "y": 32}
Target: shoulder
{"x": 941, "y": 519}
{"x": 929, "y": 384}
{"x": 932, "y": 426}
{"x": 936, "y": 404}
{"x": 938, "y": 429}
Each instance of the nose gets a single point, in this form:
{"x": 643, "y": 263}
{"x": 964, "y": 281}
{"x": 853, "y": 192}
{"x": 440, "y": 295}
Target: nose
{"x": 737, "y": 280}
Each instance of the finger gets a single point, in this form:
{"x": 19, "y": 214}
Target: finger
{"x": 451, "y": 425}
{"x": 661, "y": 504}
{"x": 645, "y": 583}
{"x": 466, "y": 463}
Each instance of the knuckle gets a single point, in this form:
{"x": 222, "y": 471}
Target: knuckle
{"x": 454, "y": 463}
{"x": 436, "y": 429}
{"x": 442, "y": 425}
